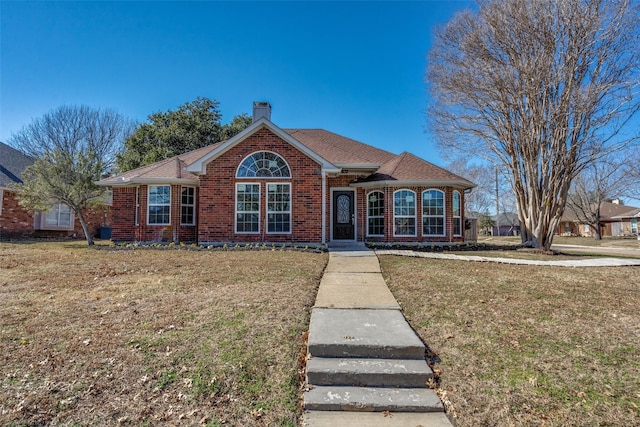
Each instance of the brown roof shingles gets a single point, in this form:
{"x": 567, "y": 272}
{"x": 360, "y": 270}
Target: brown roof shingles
{"x": 332, "y": 147}
{"x": 408, "y": 167}
{"x": 338, "y": 149}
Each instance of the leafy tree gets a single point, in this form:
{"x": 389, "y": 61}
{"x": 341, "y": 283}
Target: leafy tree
{"x": 74, "y": 147}
{"x": 541, "y": 87}
{"x": 193, "y": 125}
{"x": 239, "y": 123}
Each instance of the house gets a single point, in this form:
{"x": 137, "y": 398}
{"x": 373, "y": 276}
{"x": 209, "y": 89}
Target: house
{"x": 616, "y": 220}
{"x": 15, "y": 221}
{"x": 275, "y": 185}
{"x": 505, "y": 224}
{"x": 628, "y": 222}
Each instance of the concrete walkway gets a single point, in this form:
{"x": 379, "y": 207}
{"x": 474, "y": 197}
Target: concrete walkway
{"x": 587, "y": 262}
{"x": 366, "y": 365}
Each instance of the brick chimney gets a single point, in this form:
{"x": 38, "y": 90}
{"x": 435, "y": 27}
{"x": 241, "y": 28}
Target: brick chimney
{"x": 261, "y": 109}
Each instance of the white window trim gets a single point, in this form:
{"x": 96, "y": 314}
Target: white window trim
{"x": 263, "y": 177}
{"x": 267, "y": 212}
{"x": 236, "y": 211}
{"x": 137, "y": 212}
{"x": 415, "y": 208}
{"x": 42, "y": 221}
{"x": 453, "y": 211}
{"x": 443, "y": 216}
{"x": 375, "y": 216}
{"x": 193, "y": 205}
{"x": 155, "y": 204}
{"x": 1, "y": 198}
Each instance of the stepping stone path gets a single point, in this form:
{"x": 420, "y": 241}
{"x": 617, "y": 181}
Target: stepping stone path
{"x": 366, "y": 365}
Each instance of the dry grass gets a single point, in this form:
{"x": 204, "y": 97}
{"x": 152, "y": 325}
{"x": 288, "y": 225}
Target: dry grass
{"x": 626, "y": 242}
{"x": 152, "y": 337}
{"x": 527, "y": 345}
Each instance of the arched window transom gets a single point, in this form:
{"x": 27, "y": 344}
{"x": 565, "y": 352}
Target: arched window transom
{"x": 263, "y": 164}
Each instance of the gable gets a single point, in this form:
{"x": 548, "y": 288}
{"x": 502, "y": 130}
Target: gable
{"x": 199, "y": 166}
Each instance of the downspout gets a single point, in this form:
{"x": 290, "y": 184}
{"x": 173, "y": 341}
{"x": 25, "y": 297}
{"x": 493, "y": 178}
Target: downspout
{"x": 324, "y": 207}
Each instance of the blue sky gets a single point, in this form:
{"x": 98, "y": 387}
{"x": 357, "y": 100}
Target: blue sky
{"x": 354, "y": 68}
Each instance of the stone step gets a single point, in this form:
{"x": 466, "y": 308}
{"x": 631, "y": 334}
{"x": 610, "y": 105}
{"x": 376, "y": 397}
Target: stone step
{"x": 374, "y": 419}
{"x": 368, "y": 372}
{"x": 381, "y": 334}
{"x": 371, "y": 399}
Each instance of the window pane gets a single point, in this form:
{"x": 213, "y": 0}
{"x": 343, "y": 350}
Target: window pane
{"x": 263, "y": 164}
{"x": 375, "y": 213}
{"x": 278, "y": 208}
{"x": 248, "y": 208}
{"x": 159, "y": 204}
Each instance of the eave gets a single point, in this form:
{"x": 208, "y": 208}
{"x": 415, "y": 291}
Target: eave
{"x": 130, "y": 182}
{"x": 412, "y": 183}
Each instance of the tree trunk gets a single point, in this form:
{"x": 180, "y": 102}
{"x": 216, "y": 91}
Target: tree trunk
{"x": 597, "y": 235}
{"x": 85, "y": 228}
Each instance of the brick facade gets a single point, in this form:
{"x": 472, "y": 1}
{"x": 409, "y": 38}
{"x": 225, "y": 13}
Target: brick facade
{"x": 131, "y": 224}
{"x": 16, "y": 222}
{"x": 389, "y": 216}
{"x": 216, "y": 213}
{"x": 214, "y": 173}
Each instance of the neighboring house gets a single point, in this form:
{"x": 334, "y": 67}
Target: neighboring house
{"x": 616, "y": 220}
{"x": 269, "y": 184}
{"x": 505, "y": 224}
{"x": 628, "y": 222}
{"x": 15, "y": 221}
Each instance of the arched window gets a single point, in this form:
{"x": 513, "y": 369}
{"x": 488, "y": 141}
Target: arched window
{"x": 433, "y": 213}
{"x": 263, "y": 164}
{"x": 457, "y": 214}
{"x": 375, "y": 213}
{"x": 404, "y": 213}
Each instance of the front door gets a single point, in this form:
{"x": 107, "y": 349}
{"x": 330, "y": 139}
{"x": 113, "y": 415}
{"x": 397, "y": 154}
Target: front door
{"x": 343, "y": 215}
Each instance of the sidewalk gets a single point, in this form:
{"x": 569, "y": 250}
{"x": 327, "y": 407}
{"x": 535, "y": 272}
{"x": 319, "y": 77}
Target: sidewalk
{"x": 366, "y": 365}
{"x": 589, "y": 262}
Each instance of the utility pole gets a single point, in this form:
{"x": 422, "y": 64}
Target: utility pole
{"x": 497, "y": 203}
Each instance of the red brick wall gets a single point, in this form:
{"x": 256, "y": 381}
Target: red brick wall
{"x": 15, "y": 221}
{"x": 125, "y": 228}
{"x": 218, "y": 194}
{"x": 388, "y": 216}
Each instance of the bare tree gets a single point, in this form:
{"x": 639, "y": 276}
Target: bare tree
{"x": 482, "y": 198}
{"x": 608, "y": 178}
{"x": 542, "y": 87}
{"x": 74, "y": 147}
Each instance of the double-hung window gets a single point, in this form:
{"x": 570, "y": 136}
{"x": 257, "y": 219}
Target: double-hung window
{"x": 375, "y": 213}
{"x": 159, "y": 205}
{"x": 188, "y": 206}
{"x": 59, "y": 216}
{"x": 247, "y": 208}
{"x": 457, "y": 214}
{"x": 279, "y": 208}
{"x": 433, "y": 213}
{"x": 404, "y": 213}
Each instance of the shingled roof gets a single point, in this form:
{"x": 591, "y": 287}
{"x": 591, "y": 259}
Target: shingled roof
{"x": 407, "y": 167}
{"x": 12, "y": 164}
{"x": 335, "y": 149}
{"x": 338, "y": 149}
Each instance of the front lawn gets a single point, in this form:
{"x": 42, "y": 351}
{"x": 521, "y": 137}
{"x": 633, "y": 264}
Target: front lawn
{"x": 527, "y": 345}
{"x": 152, "y": 337}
